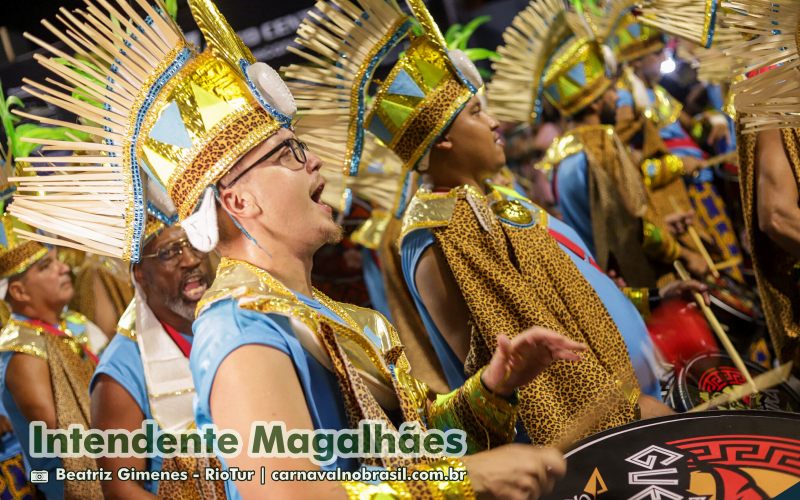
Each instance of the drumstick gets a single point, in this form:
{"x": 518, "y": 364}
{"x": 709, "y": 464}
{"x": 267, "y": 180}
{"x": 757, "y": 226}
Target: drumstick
{"x": 723, "y": 158}
{"x": 697, "y": 242}
{"x": 765, "y": 381}
{"x": 725, "y": 264}
{"x": 718, "y": 330}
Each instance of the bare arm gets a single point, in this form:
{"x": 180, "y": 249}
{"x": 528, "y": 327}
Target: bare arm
{"x": 239, "y": 397}
{"x": 25, "y": 372}
{"x": 652, "y": 408}
{"x": 776, "y": 196}
{"x": 114, "y": 408}
{"x": 686, "y": 120}
{"x": 442, "y": 298}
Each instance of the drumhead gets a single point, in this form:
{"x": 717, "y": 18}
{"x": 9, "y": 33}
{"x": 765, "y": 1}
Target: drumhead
{"x": 720, "y": 454}
{"x": 708, "y": 375}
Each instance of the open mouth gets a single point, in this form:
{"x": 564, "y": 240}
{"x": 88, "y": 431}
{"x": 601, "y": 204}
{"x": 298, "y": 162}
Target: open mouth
{"x": 316, "y": 197}
{"x": 193, "y": 287}
{"x": 498, "y": 139}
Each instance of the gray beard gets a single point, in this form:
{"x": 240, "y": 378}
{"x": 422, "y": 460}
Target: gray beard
{"x": 181, "y": 308}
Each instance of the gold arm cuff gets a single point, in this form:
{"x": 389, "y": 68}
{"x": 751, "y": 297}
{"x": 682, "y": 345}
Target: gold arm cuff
{"x": 640, "y": 297}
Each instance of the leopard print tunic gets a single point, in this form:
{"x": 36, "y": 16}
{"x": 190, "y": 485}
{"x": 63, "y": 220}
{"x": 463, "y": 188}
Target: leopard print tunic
{"x": 70, "y": 374}
{"x": 194, "y": 488}
{"x": 514, "y": 277}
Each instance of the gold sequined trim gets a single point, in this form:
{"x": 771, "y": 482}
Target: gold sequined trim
{"x": 138, "y": 102}
{"x": 20, "y": 258}
{"x": 355, "y": 98}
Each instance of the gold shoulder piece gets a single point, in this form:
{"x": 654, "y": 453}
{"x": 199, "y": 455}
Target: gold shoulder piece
{"x": 667, "y": 107}
{"x": 127, "y": 322}
{"x": 370, "y": 233}
{"x": 74, "y": 317}
{"x": 428, "y": 210}
{"x": 237, "y": 279}
{"x": 372, "y": 320}
{"x": 562, "y": 147}
{"x": 19, "y": 337}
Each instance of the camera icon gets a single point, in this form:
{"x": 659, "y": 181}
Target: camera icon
{"x": 39, "y": 476}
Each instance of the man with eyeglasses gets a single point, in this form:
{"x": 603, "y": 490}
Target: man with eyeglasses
{"x": 144, "y": 372}
{"x": 216, "y": 131}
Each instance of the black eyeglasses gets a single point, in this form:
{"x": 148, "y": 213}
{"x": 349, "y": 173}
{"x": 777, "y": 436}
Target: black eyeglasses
{"x": 298, "y": 148}
{"x": 171, "y": 252}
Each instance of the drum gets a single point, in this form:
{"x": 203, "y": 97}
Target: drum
{"x": 709, "y": 375}
{"x": 680, "y": 332}
{"x": 738, "y": 309}
{"x": 722, "y": 455}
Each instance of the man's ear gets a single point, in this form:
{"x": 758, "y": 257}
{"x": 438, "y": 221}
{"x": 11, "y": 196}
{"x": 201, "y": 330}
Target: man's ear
{"x": 443, "y": 143}
{"x": 17, "y": 291}
{"x": 138, "y": 273}
{"x": 239, "y": 202}
{"x": 597, "y": 105}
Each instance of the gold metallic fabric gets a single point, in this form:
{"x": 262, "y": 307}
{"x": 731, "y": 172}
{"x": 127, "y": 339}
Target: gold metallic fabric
{"x": 221, "y": 117}
{"x": 22, "y": 336}
{"x": 361, "y": 367}
{"x": 427, "y": 210}
{"x": 370, "y": 233}
{"x": 628, "y": 47}
{"x": 660, "y": 171}
{"x": 476, "y": 410}
{"x": 561, "y": 148}
{"x": 413, "y": 123}
{"x": 640, "y": 297}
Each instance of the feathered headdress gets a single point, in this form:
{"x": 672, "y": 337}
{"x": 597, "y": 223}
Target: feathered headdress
{"x": 768, "y": 49}
{"x": 343, "y": 43}
{"x": 693, "y": 20}
{"x": 156, "y": 107}
{"x": 635, "y": 28}
{"x": 16, "y": 255}
{"x": 551, "y": 53}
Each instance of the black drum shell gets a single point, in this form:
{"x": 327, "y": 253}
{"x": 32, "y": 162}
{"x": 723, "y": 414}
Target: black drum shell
{"x": 718, "y": 370}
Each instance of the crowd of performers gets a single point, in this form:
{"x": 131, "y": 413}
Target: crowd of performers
{"x": 540, "y": 247}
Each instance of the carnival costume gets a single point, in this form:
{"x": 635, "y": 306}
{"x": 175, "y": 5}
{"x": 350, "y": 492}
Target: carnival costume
{"x": 69, "y": 348}
{"x": 150, "y": 360}
{"x": 71, "y": 359}
{"x": 656, "y": 128}
{"x": 598, "y": 188}
{"x": 767, "y": 49}
{"x": 183, "y": 119}
{"x": 423, "y": 92}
